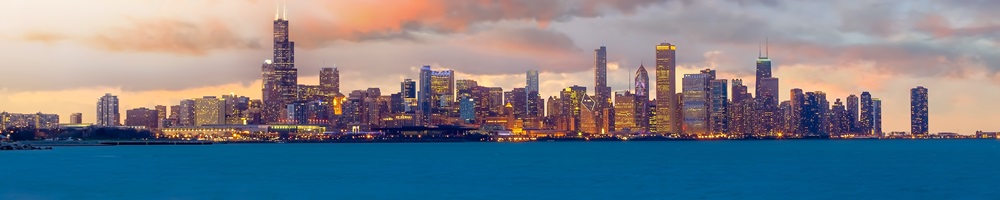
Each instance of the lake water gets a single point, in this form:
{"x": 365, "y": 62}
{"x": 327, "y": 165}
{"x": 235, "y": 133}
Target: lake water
{"x": 790, "y": 169}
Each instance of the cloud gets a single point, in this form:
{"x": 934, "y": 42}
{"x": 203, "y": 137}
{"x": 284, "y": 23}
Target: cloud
{"x": 172, "y": 36}
{"x": 43, "y": 37}
{"x": 400, "y": 19}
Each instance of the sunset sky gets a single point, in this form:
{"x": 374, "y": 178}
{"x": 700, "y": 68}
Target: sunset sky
{"x": 61, "y": 56}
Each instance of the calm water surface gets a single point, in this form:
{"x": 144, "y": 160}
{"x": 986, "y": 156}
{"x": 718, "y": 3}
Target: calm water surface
{"x": 806, "y": 169}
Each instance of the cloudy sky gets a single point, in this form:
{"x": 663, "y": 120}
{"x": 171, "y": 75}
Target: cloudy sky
{"x": 60, "y": 56}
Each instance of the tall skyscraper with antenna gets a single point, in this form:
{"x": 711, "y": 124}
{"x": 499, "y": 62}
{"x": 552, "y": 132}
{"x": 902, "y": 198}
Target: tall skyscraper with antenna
{"x": 766, "y": 90}
{"x": 279, "y": 74}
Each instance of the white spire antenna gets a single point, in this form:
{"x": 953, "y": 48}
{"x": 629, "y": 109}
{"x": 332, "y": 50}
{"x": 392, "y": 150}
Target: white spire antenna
{"x": 766, "y": 47}
{"x": 284, "y": 13}
{"x": 277, "y": 11}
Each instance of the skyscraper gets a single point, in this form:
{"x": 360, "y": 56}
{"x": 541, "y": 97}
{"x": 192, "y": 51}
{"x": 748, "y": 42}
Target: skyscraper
{"x": 796, "y": 102}
{"x": 625, "y": 111}
{"x": 187, "y": 113}
{"x": 865, "y": 120}
{"x": 75, "y": 118}
{"x": 667, "y": 120}
{"x": 535, "y": 107}
{"x": 852, "y": 114}
{"x": 408, "y": 91}
{"x": 279, "y": 74}
{"x": 739, "y": 124}
{"x": 918, "y": 111}
{"x": 602, "y": 93}
{"x": 838, "y": 119}
{"x": 642, "y": 99}
{"x": 329, "y": 80}
{"x": 442, "y": 90}
{"x": 424, "y": 95}
{"x": 107, "y": 111}
{"x": 696, "y": 102}
{"x": 161, "y": 113}
{"x": 718, "y": 94}
{"x": 876, "y": 117}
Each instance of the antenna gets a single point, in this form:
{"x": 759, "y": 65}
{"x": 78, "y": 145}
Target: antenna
{"x": 277, "y": 11}
{"x": 284, "y": 13}
{"x": 766, "y": 47}
{"x": 759, "y": 47}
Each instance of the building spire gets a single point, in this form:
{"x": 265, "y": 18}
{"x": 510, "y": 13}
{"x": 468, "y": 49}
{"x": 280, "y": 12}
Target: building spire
{"x": 277, "y": 11}
{"x": 766, "y": 47}
{"x": 284, "y": 13}
{"x": 759, "y": 47}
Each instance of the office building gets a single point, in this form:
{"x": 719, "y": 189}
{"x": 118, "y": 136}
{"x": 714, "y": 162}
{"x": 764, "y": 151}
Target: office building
{"x": 144, "y": 117}
{"x": 696, "y": 102}
{"x": 876, "y": 117}
{"x": 625, "y": 111}
{"x": 209, "y": 110}
{"x": 329, "y": 80}
{"x": 666, "y": 64}
{"x": 719, "y": 106}
{"x": 642, "y": 99}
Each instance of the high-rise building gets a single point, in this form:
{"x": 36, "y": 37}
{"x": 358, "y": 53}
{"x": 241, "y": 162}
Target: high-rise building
{"x": 517, "y": 99}
{"x": 625, "y": 111}
{"x": 467, "y": 109}
{"x": 408, "y": 91}
{"x": 144, "y": 117}
{"x": 641, "y": 99}
{"x": 852, "y": 114}
{"x": 209, "y": 110}
{"x": 161, "y": 112}
{"x": 838, "y": 119}
{"x": 696, "y": 104}
{"x": 329, "y": 80}
{"x": 602, "y": 92}
{"x": 442, "y": 90}
{"x": 796, "y": 102}
{"x": 107, "y": 111}
{"x": 279, "y": 74}
{"x": 76, "y": 118}
{"x": 666, "y": 64}
{"x": 535, "y": 107}
{"x": 865, "y": 120}
{"x": 876, "y": 117}
{"x": 465, "y": 84}
{"x": 573, "y": 106}
{"x": 739, "y": 123}
{"x": 918, "y": 111}
{"x": 424, "y": 95}
{"x": 811, "y": 124}
{"x": 719, "y": 106}
{"x": 767, "y": 105}
{"x": 187, "y": 113}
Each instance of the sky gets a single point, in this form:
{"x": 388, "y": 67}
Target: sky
{"x": 61, "y": 56}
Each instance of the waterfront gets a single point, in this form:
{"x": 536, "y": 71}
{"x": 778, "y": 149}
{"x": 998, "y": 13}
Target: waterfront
{"x": 813, "y": 169}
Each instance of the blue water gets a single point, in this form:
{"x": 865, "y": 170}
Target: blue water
{"x": 806, "y": 169}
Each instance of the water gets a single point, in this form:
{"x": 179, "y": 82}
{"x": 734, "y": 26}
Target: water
{"x": 804, "y": 169}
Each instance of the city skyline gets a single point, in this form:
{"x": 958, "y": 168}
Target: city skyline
{"x": 552, "y": 78}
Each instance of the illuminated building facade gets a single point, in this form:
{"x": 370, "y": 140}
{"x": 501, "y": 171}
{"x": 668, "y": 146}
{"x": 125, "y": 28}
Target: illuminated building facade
{"x": 625, "y": 111}
{"x": 865, "y": 120}
{"x": 209, "y": 110}
{"x": 329, "y": 80}
{"x": 641, "y": 100}
{"x": 719, "y": 106}
{"x": 696, "y": 104}
{"x": 666, "y": 103}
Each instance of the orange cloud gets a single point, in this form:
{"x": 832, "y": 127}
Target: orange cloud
{"x": 171, "y": 36}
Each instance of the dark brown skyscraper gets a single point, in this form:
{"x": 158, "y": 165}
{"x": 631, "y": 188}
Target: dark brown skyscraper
{"x": 329, "y": 80}
{"x": 279, "y": 75}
